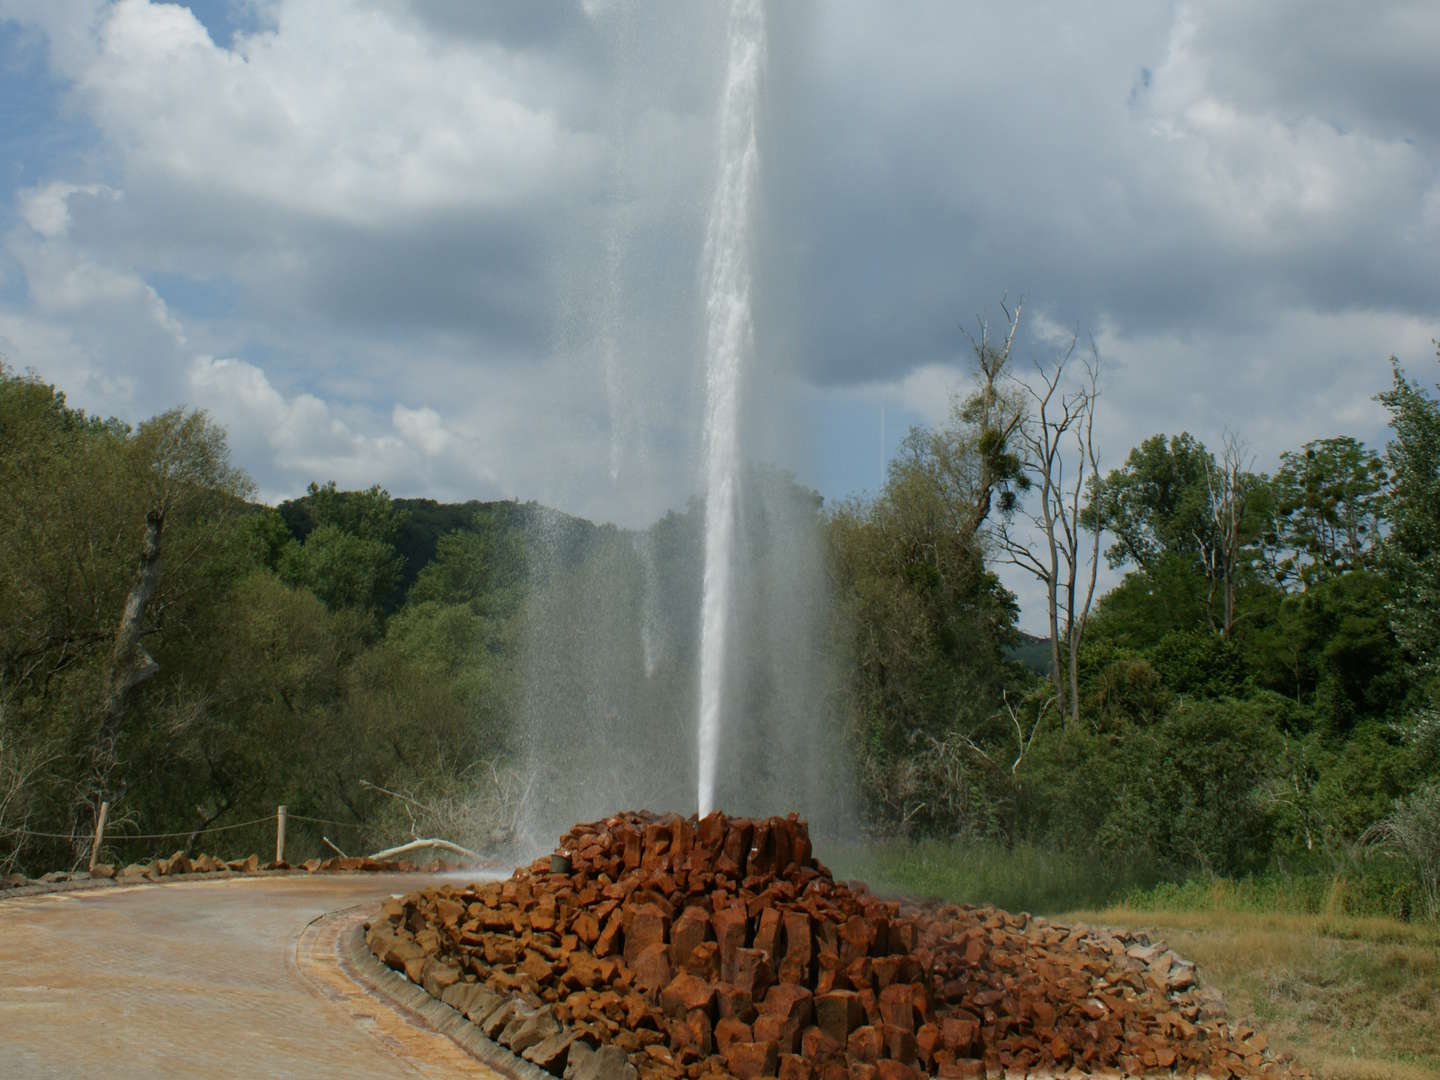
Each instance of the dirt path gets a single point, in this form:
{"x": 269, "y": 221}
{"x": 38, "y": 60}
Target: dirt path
{"x": 203, "y": 978}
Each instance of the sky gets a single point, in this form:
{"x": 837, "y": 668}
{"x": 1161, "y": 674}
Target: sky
{"x": 453, "y": 247}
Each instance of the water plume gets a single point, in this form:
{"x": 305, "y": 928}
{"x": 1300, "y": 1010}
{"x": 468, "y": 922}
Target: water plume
{"x": 730, "y": 339}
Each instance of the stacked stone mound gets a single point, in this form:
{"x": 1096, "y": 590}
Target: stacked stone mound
{"x": 667, "y": 947}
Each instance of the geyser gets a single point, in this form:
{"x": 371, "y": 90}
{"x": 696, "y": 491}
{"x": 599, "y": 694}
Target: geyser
{"x": 729, "y": 341}
{"x": 681, "y": 665}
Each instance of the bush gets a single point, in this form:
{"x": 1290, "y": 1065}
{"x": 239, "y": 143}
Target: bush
{"x": 1412, "y": 830}
{"x": 1187, "y": 793}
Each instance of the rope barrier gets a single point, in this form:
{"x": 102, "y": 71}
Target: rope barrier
{"x": 13, "y": 831}
{"x": 326, "y": 821}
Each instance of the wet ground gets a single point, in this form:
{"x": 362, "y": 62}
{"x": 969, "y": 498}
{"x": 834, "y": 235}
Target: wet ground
{"x": 218, "y": 978}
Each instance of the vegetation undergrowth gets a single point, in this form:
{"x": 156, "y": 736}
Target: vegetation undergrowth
{"x": 1370, "y": 888}
{"x": 1025, "y": 877}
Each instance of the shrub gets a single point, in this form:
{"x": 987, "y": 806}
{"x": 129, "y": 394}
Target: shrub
{"x": 1412, "y": 830}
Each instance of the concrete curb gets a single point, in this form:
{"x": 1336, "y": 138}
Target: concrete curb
{"x": 360, "y": 964}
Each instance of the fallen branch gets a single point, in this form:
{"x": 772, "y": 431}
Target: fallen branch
{"x": 414, "y": 845}
{"x": 331, "y": 845}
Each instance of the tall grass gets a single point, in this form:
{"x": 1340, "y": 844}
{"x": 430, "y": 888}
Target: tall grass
{"x": 1358, "y": 888}
{"x": 1028, "y": 877}
{"x": 1024, "y": 877}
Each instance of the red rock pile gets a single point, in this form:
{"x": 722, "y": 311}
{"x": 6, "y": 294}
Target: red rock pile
{"x": 180, "y": 863}
{"x": 669, "y": 947}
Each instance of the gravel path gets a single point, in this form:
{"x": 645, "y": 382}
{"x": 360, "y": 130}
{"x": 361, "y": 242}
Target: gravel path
{"x": 204, "y": 978}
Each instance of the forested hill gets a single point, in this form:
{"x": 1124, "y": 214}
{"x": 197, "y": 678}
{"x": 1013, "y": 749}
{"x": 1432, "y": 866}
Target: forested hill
{"x": 1033, "y": 652}
{"x": 418, "y": 525}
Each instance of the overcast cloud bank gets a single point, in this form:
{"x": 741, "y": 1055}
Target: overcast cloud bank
{"x": 453, "y": 248}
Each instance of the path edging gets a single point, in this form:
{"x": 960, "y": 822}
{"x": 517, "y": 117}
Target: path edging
{"x": 361, "y": 965}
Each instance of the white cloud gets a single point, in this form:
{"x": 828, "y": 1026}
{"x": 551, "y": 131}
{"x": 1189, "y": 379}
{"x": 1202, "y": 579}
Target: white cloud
{"x": 46, "y": 209}
{"x": 416, "y": 236}
{"x": 424, "y": 428}
{"x": 341, "y": 112}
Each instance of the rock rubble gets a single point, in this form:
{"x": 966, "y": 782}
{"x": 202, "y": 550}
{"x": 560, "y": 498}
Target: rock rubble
{"x": 667, "y": 947}
{"x": 180, "y": 864}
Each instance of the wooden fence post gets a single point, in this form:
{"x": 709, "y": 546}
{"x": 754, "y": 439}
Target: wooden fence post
{"x": 280, "y": 835}
{"x": 99, "y": 835}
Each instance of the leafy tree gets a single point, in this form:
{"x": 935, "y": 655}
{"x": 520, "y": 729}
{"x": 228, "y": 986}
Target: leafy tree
{"x": 1199, "y": 665}
{"x": 343, "y": 569}
{"x": 931, "y": 623}
{"x": 115, "y": 543}
{"x": 1412, "y": 548}
{"x": 1172, "y": 501}
{"x": 1167, "y": 597}
{"x": 1331, "y": 649}
{"x": 1191, "y": 794}
{"x": 475, "y": 565}
{"x": 370, "y": 514}
{"x": 266, "y": 535}
{"x": 1158, "y": 504}
{"x": 345, "y": 547}
{"x": 1327, "y": 504}
{"x": 265, "y": 674}
{"x": 1410, "y": 554}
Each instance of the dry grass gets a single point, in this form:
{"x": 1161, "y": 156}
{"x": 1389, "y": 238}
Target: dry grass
{"x": 1348, "y": 998}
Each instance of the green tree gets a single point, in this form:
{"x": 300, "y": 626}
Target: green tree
{"x": 1172, "y": 502}
{"x": 930, "y": 622}
{"x": 1331, "y": 649}
{"x": 1327, "y": 507}
{"x": 1410, "y": 553}
{"x": 1157, "y": 504}
{"x": 344, "y": 570}
{"x": 113, "y": 544}
{"x": 345, "y": 547}
{"x": 1412, "y": 548}
{"x": 370, "y": 514}
{"x": 482, "y": 564}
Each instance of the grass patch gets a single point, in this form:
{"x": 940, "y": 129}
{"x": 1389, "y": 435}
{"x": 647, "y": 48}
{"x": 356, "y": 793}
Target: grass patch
{"x": 1373, "y": 887}
{"x": 1021, "y": 878}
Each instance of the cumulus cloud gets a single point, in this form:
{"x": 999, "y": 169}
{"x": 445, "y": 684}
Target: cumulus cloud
{"x": 453, "y": 247}
{"x": 46, "y": 209}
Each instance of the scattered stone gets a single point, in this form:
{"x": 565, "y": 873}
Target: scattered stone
{"x": 606, "y": 1063}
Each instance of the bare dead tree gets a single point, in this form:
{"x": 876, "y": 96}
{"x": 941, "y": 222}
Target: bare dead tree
{"x": 997, "y": 415}
{"x": 1049, "y": 542}
{"x": 1023, "y": 742}
{"x": 482, "y": 808}
{"x": 1228, "y": 485}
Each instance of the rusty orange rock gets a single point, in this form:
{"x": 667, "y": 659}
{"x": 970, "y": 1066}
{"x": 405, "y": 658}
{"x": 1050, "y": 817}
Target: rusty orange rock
{"x": 694, "y": 948}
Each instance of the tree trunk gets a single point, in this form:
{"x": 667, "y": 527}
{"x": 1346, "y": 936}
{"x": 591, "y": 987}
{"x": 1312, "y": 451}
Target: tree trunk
{"x": 130, "y": 664}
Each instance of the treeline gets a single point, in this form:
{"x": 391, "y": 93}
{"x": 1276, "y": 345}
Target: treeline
{"x": 194, "y": 659}
{"x": 1258, "y": 696}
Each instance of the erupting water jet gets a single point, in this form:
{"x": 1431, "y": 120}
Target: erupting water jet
{"x": 729, "y": 341}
